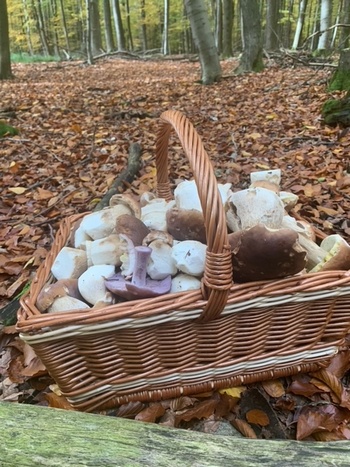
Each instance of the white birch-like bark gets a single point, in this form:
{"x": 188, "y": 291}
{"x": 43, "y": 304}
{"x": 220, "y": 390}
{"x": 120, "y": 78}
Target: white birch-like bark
{"x": 300, "y": 24}
{"x": 325, "y": 22}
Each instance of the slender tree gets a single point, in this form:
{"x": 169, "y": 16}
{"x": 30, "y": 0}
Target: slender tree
{"x": 272, "y": 39}
{"x": 227, "y": 27}
{"x": 252, "y": 56}
{"x": 345, "y": 31}
{"x": 165, "y": 38}
{"x": 118, "y": 24}
{"x": 300, "y": 23}
{"x": 108, "y": 25}
{"x": 204, "y": 39}
{"x": 5, "y": 57}
{"x": 325, "y": 22}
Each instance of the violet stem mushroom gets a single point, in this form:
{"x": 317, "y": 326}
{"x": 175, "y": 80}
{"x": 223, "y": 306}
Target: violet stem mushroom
{"x": 140, "y": 286}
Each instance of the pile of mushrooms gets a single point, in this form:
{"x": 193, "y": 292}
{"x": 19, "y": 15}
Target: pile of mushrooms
{"x": 133, "y": 250}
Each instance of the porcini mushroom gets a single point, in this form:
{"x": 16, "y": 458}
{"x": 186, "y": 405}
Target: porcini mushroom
{"x": 67, "y": 303}
{"x": 247, "y": 208}
{"x": 106, "y": 250}
{"x": 132, "y": 227}
{"x": 184, "y": 282}
{"x": 58, "y": 289}
{"x": 189, "y": 257}
{"x": 92, "y": 283}
{"x": 186, "y": 224}
{"x": 337, "y": 254}
{"x": 153, "y": 214}
{"x": 140, "y": 285}
{"x": 260, "y": 253}
{"x": 70, "y": 263}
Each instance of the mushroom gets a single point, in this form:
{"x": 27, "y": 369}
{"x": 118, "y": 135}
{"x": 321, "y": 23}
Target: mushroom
{"x": 186, "y": 224}
{"x": 260, "y": 253}
{"x": 70, "y": 263}
{"x": 132, "y": 227}
{"x": 189, "y": 257}
{"x": 92, "y": 283}
{"x": 100, "y": 224}
{"x": 153, "y": 214}
{"x": 314, "y": 253}
{"x": 186, "y": 195}
{"x": 160, "y": 263}
{"x": 337, "y": 254}
{"x": 59, "y": 289}
{"x": 67, "y": 303}
{"x": 253, "y": 206}
{"x": 271, "y": 176}
{"x": 140, "y": 285}
{"x": 183, "y": 282}
{"x": 106, "y": 250}
{"x": 128, "y": 202}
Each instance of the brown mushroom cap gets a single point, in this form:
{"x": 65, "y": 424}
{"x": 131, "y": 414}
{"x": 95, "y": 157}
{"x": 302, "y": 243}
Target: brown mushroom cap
{"x": 61, "y": 288}
{"x": 184, "y": 224}
{"x": 126, "y": 200}
{"x": 260, "y": 253}
{"x": 132, "y": 227}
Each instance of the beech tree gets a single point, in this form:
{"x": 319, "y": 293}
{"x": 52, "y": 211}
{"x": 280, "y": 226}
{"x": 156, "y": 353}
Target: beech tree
{"x": 204, "y": 39}
{"x": 252, "y": 56}
{"x": 5, "y": 57}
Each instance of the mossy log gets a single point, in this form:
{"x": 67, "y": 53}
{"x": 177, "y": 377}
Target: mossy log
{"x": 340, "y": 80}
{"x": 33, "y": 436}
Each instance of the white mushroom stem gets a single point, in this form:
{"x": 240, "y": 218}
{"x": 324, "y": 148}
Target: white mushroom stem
{"x": 160, "y": 264}
{"x": 273, "y": 176}
{"x": 63, "y": 304}
{"x": 183, "y": 282}
{"x": 70, "y": 263}
{"x": 92, "y": 283}
{"x": 314, "y": 253}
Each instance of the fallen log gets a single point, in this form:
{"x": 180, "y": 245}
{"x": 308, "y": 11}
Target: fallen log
{"x": 34, "y": 436}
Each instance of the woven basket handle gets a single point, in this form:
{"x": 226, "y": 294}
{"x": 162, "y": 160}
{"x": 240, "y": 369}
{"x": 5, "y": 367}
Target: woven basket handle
{"x": 217, "y": 278}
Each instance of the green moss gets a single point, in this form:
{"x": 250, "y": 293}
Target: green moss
{"x": 336, "y": 112}
{"x": 7, "y": 130}
{"x": 340, "y": 81}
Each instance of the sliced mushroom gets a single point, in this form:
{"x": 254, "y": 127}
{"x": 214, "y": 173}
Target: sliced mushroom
{"x": 260, "y": 253}
{"x": 70, "y": 263}
{"x": 271, "y": 176}
{"x": 160, "y": 264}
{"x": 186, "y": 195}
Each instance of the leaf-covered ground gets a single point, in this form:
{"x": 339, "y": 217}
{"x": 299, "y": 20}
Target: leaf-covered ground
{"x": 76, "y": 125}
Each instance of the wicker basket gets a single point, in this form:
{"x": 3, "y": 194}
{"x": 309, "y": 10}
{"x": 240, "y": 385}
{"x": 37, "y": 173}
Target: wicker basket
{"x": 223, "y": 335}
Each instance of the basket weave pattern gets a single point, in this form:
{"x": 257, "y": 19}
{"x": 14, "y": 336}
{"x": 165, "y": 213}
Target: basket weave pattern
{"x": 185, "y": 343}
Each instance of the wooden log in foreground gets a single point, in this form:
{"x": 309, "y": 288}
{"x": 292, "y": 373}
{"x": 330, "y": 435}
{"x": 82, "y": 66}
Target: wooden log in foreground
{"x": 39, "y": 436}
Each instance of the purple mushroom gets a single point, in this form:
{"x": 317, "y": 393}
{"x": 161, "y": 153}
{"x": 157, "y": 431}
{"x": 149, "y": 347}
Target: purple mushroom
{"x": 140, "y": 286}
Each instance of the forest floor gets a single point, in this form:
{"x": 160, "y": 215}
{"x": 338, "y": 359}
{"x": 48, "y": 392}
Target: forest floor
{"x": 76, "y": 125}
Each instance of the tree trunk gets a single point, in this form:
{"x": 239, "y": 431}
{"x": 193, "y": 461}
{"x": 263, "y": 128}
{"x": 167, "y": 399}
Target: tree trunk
{"x": 26, "y": 27}
{"x": 300, "y": 24}
{"x": 272, "y": 40}
{"x": 251, "y": 59}
{"x": 64, "y": 27}
{"x": 218, "y": 25}
{"x": 143, "y": 25}
{"x": 118, "y": 24}
{"x": 5, "y": 57}
{"x": 345, "y": 31}
{"x": 88, "y": 33}
{"x": 108, "y": 26}
{"x": 38, "y": 14}
{"x": 128, "y": 25}
{"x": 341, "y": 78}
{"x": 204, "y": 40}
{"x": 227, "y": 26}
{"x": 325, "y": 22}
{"x": 165, "y": 38}
{"x": 96, "y": 39}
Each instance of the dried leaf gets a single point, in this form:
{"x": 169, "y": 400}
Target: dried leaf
{"x": 151, "y": 413}
{"x": 274, "y": 388}
{"x": 257, "y": 417}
